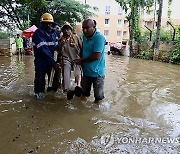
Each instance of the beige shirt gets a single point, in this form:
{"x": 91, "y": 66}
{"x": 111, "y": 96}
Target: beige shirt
{"x": 72, "y": 51}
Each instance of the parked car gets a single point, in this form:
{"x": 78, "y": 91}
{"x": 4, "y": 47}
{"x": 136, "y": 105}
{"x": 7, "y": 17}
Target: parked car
{"x": 117, "y": 48}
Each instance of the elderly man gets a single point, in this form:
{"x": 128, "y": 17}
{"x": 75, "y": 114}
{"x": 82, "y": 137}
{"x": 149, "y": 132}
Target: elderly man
{"x": 71, "y": 46}
{"x": 93, "y": 61}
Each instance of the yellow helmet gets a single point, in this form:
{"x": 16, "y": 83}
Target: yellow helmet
{"x": 47, "y": 17}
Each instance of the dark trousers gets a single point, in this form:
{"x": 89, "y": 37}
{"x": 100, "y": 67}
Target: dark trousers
{"x": 40, "y": 82}
{"x": 98, "y": 85}
{"x": 56, "y": 81}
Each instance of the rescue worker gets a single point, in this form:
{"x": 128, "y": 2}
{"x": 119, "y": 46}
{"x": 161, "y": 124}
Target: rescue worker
{"x": 45, "y": 42}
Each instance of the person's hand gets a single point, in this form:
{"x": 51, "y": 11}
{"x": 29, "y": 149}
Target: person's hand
{"x": 56, "y": 66}
{"x": 62, "y": 40}
{"x": 78, "y": 61}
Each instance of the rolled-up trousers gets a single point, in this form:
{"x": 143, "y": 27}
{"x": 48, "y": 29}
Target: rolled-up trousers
{"x": 68, "y": 66}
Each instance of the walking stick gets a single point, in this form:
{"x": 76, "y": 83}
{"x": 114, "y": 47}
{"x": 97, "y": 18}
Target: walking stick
{"x": 52, "y": 74}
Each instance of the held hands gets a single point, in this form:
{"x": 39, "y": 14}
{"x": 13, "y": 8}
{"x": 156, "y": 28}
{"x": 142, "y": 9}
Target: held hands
{"x": 56, "y": 66}
{"x": 78, "y": 61}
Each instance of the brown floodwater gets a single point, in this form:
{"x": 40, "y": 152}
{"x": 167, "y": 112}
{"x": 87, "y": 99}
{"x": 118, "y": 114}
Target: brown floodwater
{"x": 143, "y": 117}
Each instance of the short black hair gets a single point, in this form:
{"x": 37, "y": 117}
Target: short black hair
{"x": 95, "y": 23}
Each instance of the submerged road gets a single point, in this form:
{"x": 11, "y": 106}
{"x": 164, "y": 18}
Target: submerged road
{"x": 144, "y": 113}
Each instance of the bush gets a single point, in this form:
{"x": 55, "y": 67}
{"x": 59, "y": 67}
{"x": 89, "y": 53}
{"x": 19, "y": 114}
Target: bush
{"x": 4, "y": 35}
{"x": 148, "y": 55}
{"x": 145, "y": 36}
{"x": 165, "y": 35}
{"x": 174, "y": 56}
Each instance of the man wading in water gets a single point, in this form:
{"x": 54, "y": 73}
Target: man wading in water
{"x": 45, "y": 41}
{"x": 92, "y": 61}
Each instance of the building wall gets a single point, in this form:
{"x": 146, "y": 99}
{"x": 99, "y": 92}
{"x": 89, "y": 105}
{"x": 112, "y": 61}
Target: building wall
{"x": 6, "y": 47}
{"x": 114, "y": 29}
{"x": 116, "y": 32}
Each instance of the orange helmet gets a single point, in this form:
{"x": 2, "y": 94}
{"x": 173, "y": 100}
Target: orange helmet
{"x": 47, "y": 17}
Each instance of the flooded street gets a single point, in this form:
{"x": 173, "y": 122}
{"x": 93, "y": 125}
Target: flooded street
{"x": 144, "y": 113}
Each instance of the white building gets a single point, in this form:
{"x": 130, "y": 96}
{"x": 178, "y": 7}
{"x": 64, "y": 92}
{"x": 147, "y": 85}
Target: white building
{"x": 112, "y": 22}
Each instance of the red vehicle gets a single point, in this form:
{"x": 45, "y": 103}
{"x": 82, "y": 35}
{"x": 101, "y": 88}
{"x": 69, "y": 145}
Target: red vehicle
{"x": 29, "y": 51}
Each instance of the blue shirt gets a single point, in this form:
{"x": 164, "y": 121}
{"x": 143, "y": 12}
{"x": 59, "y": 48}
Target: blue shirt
{"x": 44, "y": 43}
{"x": 94, "y": 44}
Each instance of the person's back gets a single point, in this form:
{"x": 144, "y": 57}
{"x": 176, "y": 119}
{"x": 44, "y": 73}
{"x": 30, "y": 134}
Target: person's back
{"x": 25, "y": 42}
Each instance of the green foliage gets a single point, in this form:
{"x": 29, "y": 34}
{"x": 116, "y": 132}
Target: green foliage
{"x": 24, "y": 25}
{"x": 174, "y": 56}
{"x": 129, "y": 4}
{"x": 171, "y": 57}
{"x": 137, "y": 31}
{"x": 69, "y": 10}
{"x": 4, "y": 34}
{"x": 15, "y": 13}
{"x": 165, "y": 35}
{"x": 169, "y": 12}
{"x": 148, "y": 54}
{"x": 132, "y": 7}
{"x": 145, "y": 35}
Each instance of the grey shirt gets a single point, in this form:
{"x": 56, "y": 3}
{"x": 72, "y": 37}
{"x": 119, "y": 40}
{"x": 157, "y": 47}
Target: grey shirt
{"x": 70, "y": 50}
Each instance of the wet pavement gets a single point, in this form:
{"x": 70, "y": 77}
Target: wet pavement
{"x": 143, "y": 115}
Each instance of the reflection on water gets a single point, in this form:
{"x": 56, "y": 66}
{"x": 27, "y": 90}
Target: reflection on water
{"x": 143, "y": 116}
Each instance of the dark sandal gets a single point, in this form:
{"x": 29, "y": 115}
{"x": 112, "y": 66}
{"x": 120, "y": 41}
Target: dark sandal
{"x": 70, "y": 95}
{"x": 78, "y": 91}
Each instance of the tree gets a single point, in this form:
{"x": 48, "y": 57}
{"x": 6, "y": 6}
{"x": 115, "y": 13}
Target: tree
{"x": 133, "y": 7}
{"x": 69, "y": 10}
{"x": 15, "y": 13}
{"x": 157, "y": 42}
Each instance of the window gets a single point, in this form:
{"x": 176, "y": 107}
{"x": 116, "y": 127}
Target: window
{"x": 148, "y": 23}
{"x": 107, "y": 10}
{"x": 120, "y": 22}
{"x": 120, "y": 11}
{"x": 124, "y": 33}
{"x": 106, "y": 32}
{"x": 95, "y": 8}
{"x": 125, "y": 22}
{"x": 149, "y": 12}
{"x": 119, "y": 33}
{"x": 106, "y": 21}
